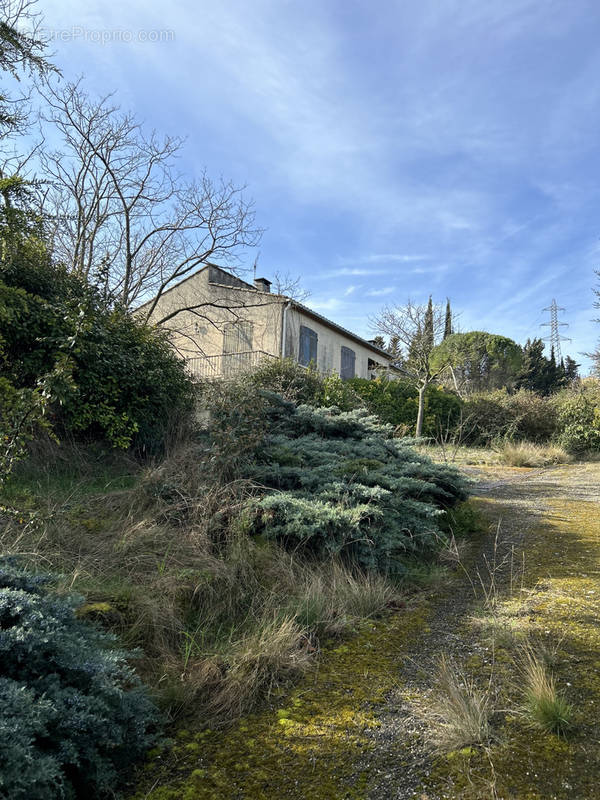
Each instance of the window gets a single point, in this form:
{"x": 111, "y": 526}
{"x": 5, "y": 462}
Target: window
{"x": 237, "y": 344}
{"x": 237, "y": 337}
{"x": 374, "y": 368}
{"x": 348, "y": 363}
{"x": 307, "y": 350}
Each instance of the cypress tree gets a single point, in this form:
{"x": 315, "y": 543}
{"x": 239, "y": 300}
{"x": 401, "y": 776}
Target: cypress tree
{"x": 448, "y": 321}
{"x": 428, "y": 325}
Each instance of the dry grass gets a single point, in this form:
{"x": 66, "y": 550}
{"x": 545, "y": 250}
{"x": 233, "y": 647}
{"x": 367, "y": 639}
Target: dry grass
{"x": 165, "y": 559}
{"x": 543, "y": 705}
{"x": 272, "y": 652}
{"x": 527, "y": 454}
{"x": 462, "y": 455}
{"x": 461, "y": 715}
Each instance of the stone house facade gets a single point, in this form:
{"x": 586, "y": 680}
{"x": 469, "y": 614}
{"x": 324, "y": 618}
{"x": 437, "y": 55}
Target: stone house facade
{"x": 221, "y": 325}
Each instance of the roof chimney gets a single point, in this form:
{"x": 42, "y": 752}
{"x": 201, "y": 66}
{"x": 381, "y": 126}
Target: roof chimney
{"x": 262, "y": 284}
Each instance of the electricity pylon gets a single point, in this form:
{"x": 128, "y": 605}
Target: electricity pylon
{"x": 555, "y": 338}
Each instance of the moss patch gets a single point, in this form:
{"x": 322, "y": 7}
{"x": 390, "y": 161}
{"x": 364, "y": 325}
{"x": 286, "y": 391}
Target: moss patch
{"x": 558, "y": 612}
{"x": 308, "y": 741}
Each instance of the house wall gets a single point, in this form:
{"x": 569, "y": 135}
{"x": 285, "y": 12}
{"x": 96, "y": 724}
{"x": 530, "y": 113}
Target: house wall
{"x": 329, "y": 346}
{"x": 201, "y": 334}
{"x": 195, "y": 335}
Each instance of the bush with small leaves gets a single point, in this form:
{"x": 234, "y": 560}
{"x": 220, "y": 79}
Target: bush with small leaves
{"x": 345, "y": 486}
{"x": 397, "y": 402}
{"x": 73, "y": 715}
{"x": 579, "y": 417}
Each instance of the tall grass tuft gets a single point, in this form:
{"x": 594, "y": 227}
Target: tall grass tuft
{"x": 527, "y": 454}
{"x": 462, "y": 712}
{"x": 544, "y": 706}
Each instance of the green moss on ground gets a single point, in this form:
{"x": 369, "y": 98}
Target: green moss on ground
{"x": 558, "y": 611}
{"x": 308, "y": 741}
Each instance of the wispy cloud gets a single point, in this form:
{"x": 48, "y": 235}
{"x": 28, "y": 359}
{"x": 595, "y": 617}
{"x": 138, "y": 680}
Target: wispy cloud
{"x": 382, "y": 258}
{"x": 355, "y": 271}
{"x": 381, "y": 292}
{"x": 326, "y": 304}
{"x": 431, "y": 145}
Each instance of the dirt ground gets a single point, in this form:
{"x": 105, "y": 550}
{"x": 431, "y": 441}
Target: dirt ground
{"x": 367, "y": 724}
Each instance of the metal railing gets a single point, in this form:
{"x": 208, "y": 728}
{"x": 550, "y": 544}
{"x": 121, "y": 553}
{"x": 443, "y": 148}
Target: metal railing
{"x": 226, "y": 365}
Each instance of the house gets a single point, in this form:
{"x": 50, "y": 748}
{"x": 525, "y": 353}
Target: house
{"x": 221, "y": 325}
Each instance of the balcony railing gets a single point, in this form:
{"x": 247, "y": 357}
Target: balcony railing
{"x": 226, "y": 365}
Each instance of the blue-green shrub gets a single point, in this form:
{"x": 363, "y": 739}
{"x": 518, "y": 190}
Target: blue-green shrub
{"x": 72, "y": 713}
{"x": 345, "y": 486}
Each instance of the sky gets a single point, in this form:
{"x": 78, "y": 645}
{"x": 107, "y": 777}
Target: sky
{"x": 393, "y": 150}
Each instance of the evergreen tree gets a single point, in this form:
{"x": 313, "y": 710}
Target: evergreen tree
{"x": 394, "y": 348}
{"x": 448, "y": 320}
{"x": 538, "y": 373}
{"x": 571, "y": 368}
{"x": 479, "y": 361}
{"x": 428, "y": 326}
{"x": 533, "y": 374}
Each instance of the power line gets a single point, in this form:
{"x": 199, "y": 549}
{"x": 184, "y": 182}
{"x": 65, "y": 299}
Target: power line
{"x": 555, "y": 338}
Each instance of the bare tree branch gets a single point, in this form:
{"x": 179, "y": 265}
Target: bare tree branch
{"x": 124, "y": 217}
{"x": 413, "y": 331}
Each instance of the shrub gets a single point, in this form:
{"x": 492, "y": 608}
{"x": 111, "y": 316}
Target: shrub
{"x": 578, "y": 415}
{"x": 73, "y": 715}
{"x": 494, "y": 416}
{"x": 305, "y": 385}
{"x": 396, "y": 402}
{"x": 119, "y": 379}
{"x": 345, "y": 486}
{"x": 130, "y": 386}
{"x": 287, "y": 378}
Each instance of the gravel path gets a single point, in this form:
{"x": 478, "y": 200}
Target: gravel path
{"x": 518, "y": 500}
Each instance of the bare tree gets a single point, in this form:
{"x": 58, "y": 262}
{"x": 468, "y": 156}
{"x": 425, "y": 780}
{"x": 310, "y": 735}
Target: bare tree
{"x": 284, "y": 283}
{"x": 124, "y": 217}
{"x": 414, "y": 330}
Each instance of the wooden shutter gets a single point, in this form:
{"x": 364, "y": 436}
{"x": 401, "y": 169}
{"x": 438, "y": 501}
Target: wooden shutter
{"x": 348, "y": 363}
{"x": 237, "y": 337}
{"x": 307, "y": 350}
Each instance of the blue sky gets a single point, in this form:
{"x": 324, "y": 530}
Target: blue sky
{"x": 393, "y": 149}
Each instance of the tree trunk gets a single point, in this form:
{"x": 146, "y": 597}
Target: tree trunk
{"x": 421, "y": 411}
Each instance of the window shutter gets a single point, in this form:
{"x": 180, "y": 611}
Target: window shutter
{"x": 307, "y": 350}
{"x": 348, "y": 363}
{"x": 237, "y": 337}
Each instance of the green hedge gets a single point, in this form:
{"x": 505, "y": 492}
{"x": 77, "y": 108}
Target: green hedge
{"x": 396, "y": 402}
{"x": 108, "y": 376}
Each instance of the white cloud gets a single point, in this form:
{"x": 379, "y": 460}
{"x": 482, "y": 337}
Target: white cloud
{"x": 381, "y": 292}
